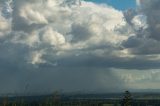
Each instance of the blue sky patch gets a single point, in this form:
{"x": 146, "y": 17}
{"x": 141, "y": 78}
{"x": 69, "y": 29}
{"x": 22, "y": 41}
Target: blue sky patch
{"x": 118, "y": 4}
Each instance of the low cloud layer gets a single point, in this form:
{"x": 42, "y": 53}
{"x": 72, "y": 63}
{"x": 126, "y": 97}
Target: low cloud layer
{"x": 71, "y": 46}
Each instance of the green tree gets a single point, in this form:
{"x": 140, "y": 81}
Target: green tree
{"x": 127, "y": 99}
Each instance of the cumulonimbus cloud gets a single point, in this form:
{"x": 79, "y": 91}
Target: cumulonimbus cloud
{"x": 65, "y": 35}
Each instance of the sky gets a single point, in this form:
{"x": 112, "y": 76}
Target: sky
{"x": 67, "y": 46}
{"x": 118, "y": 4}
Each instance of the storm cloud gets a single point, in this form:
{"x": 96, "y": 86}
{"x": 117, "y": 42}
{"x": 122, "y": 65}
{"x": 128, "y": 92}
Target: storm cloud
{"x": 66, "y": 45}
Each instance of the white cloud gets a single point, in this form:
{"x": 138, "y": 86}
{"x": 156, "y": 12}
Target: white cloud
{"x": 36, "y": 57}
{"x": 42, "y": 24}
{"x": 136, "y": 79}
{"x": 140, "y": 22}
{"x": 53, "y": 38}
{"x": 5, "y": 26}
{"x": 138, "y": 2}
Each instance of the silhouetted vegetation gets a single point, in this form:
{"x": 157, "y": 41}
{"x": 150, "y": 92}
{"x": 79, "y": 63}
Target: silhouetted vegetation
{"x": 80, "y": 100}
{"x": 127, "y": 100}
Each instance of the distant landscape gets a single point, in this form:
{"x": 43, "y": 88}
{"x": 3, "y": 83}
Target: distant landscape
{"x": 56, "y": 99}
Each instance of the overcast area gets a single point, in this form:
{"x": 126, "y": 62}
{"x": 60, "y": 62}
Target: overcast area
{"x": 72, "y": 46}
